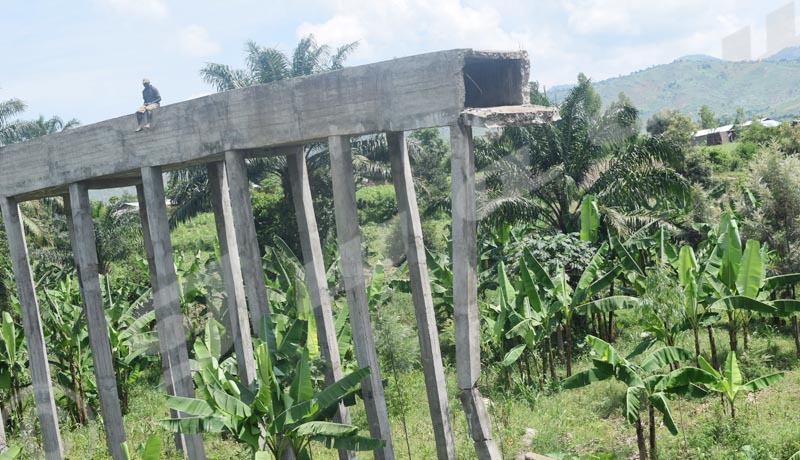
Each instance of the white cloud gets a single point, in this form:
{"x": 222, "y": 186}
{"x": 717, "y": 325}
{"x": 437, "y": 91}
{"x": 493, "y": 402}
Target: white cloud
{"x": 195, "y": 41}
{"x": 153, "y": 8}
{"x": 595, "y": 16}
{"x": 603, "y": 38}
{"x": 401, "y": 27}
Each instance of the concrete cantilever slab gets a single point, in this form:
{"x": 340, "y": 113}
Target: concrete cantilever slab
{"x": 421, "y": 91}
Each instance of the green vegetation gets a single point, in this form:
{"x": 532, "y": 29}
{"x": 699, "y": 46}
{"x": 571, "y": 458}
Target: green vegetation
{"x": 637, "y": 297}
{"x": 763, "y": 88}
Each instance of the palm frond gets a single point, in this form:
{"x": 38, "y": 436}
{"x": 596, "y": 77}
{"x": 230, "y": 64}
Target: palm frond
{"x": 341, "y": 54}
{"x": 10, "y": 108}
{"x": 223, "y": 77}
{"x": 266, "y": 64}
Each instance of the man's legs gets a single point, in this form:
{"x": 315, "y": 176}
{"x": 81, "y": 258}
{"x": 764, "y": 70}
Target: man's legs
{"x": 149, "y": 111}
{"x": 140, "y": 116}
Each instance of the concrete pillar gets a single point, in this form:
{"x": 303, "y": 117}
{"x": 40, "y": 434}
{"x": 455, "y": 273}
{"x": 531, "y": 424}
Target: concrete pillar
{"x": 349, "y": 238}
{"x": 32, "y": 325}
{"x": 166, "y": 298}
{"x": 465, "y": 291}
{"x": 316, "y": 280}
{"x": 166, "y": 366}
{"x": 3, "y": 441}
{"x": 232, "y": 272}
{"x": 432, "y": 367}
{"x": 249, "y": 251}
{"x": 85, "y": 250}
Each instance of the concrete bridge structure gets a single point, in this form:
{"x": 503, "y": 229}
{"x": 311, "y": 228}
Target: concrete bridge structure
{"x": 458, "y": 89}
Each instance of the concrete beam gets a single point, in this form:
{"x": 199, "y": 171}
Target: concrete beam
{"x": 247, "y": 242}
{"x": 84, "y": 248}
{"x": 397, "y": 95}
{"x": 348, "y": 236}
{"x": 166, "y": 297}
{"x": 232, "y": 272}
{"x": 32, "y": 326}
{"x": 465, "y": 290}
{"x": 432, "y": 367}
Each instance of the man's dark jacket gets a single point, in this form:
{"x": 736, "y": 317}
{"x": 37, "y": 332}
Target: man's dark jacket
{"x": 151, "y": 95}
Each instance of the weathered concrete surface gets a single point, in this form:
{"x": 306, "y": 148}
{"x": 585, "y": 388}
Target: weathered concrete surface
{"x": 401, "y": 94}
{"x": 509, "y": 115}
{"x": 167, "y": 300}
{"x": 34, "y": 337}
{"x": 235, "y": 298}
{"x": 85, "y": 249}
{"x": 161, "y": 328}
{"x": 432, "y": 367}
{"x": 348, "y": 235}
{"x": 465, "y": 291}
{"x": 316, "y": 280}
{"x": 246, "y": 240}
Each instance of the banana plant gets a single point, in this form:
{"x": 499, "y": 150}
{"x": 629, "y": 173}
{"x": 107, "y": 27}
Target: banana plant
{"x": 70, "y": 353}
{"x": 688, "y": 279}
{"x": 646, "y": 387}
{"x": 583, "y": 298}
{"x": 151, "y": 450}
{"x": 515, "y": 320}
{"x": 729, "y": 382}
{"x": 441, "y": 278}
{"x": 134, "y": 345}
{"x": 279, "y": 414}
{"x": 13, "y": 361}
{"x": 12, "y": 453}
{"x": 740, "y": 277}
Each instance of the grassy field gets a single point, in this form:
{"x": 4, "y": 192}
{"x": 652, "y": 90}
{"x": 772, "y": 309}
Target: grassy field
{"x": 586, "y": 422}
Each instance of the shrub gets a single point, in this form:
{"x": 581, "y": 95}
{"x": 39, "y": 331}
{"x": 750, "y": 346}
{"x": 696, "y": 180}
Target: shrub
{"x": 376, "y": 204}
{"x": 274, "y": 216}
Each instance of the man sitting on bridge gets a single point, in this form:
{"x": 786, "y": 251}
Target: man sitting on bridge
{"x": 152, "y": 99}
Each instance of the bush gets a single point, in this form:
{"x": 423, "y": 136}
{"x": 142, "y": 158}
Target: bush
{"x": 274, "y": 216}
{"x": 376, "y": 204}
{"x": 196, "y": 234}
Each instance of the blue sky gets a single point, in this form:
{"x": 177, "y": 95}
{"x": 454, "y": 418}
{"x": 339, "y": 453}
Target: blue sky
{"x": 85, "y": 59}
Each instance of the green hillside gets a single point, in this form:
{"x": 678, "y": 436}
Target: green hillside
{"x": 761, "y": 88}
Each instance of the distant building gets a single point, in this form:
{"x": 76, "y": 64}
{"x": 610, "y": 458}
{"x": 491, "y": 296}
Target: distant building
{"x": 781, "y": 29}
{"x": 737, "y": 46}
{"x": 725, "y": 134}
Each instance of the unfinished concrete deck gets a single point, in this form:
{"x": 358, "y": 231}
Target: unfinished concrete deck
{"x": 428, "y": 90}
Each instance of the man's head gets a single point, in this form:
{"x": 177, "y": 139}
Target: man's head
{"x": 146, "y": 82}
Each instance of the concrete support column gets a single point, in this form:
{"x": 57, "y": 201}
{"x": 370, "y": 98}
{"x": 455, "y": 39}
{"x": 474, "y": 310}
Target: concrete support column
{"x": 3, "y": 441}
{"x": 465, "y": 291}
{"x": 161, "y": 328}
{"x": 166, "y": 297}
{"x": 432, "y": 367}
{"x": 34, "y": 337}
{"x": 249, "y": 251}
{"x": 85, "y": 250}
{"x": 232, "y": 272}
{"x": 349, "y": 238}
{"x": 316, "y": 280}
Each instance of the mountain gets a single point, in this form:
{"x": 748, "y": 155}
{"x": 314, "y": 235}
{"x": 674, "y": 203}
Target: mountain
{"x": 697, "y": 58}
{"x": 767, "y": 88}
{"x": 786, "y": 54}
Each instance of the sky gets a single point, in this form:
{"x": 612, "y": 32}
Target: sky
{"x": 85, "y": 59}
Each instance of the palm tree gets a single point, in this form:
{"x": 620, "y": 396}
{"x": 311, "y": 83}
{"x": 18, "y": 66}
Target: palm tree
{"x": 8, "y": 109}
{"x": 265, "y": 65}
{"x": 188, "y": 189}
{"x": 542, "y": 173}
{"x": 39, "y": 127}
